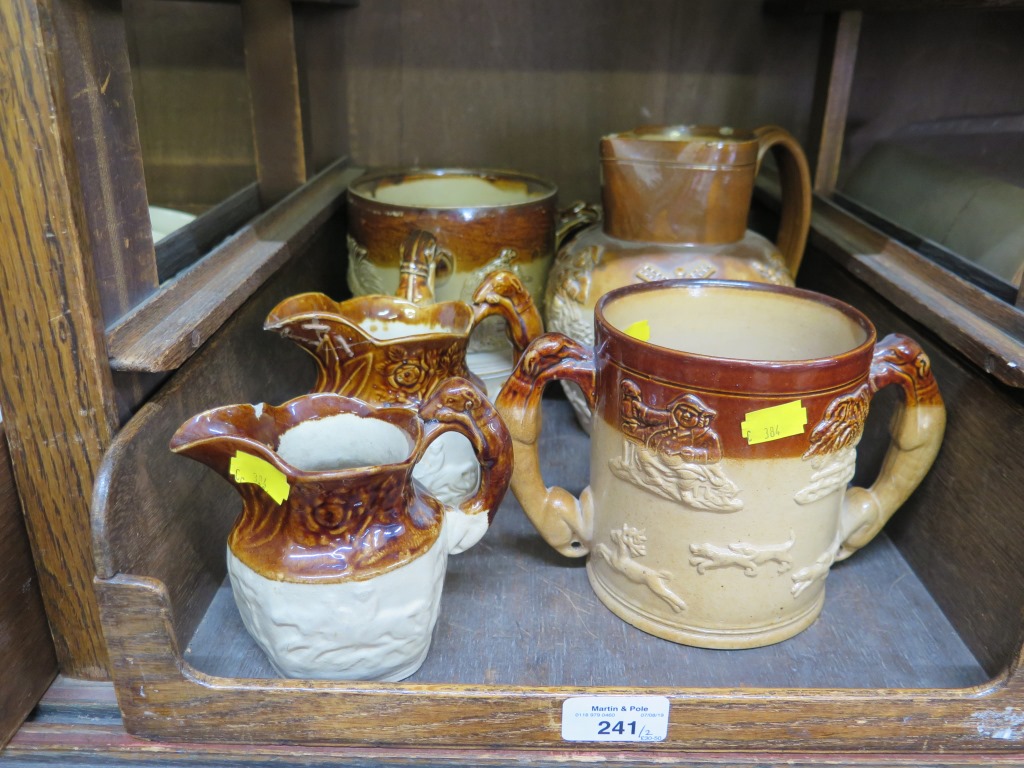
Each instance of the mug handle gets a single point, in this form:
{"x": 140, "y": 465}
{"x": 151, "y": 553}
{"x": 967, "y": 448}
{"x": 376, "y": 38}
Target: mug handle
{"x": 564, "y": 521}
{"x": 503, "y": 293}
{"x": 795, "y": 180}
{"x": 459, "y": 406}
{"x": 917, "y": 431}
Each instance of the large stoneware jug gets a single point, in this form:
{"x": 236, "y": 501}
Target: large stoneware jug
{"x": 675, "y": 205}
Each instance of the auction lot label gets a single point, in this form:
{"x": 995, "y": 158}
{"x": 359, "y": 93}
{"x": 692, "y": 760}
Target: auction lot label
{"x": 615, "y": 718}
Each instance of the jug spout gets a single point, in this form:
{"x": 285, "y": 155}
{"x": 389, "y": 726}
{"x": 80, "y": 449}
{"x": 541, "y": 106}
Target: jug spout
{"x": 341, "y": 348}
{"x": 216, "y": 438}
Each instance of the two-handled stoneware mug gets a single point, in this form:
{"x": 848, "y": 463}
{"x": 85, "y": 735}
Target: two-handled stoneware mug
{"x": 727, "y": 417}
{"x": 338, "y": 557}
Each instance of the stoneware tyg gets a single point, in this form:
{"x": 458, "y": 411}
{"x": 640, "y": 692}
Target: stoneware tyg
{"x": 726, "y": 422}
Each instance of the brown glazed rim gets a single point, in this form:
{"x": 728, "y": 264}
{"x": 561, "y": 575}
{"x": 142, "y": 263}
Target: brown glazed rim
{"x": 298, "y": 410}
{"x": 397, "y": 175}
{"x": 706, "y": 134}
{"x": 780, "y": 367}
{"x": 359, "y": 309}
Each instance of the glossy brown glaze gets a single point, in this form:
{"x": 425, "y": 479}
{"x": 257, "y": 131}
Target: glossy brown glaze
{"x": 719, "y": 389}
{"x": 344, "y": 523}
{"x": 675, "y": 202}
{"x": 693, "y": 184}
{"x": 398, "y": 350}
{"x": 472, "y": 238}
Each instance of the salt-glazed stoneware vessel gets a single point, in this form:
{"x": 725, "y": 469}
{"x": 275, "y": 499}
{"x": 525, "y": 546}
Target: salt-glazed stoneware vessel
{"x": 675, "y": 203}
{"x": 337, "y": 558}
{"x": 727, "y": 416}
{"x": 483, "y": 221}
{"x": 397, "y": 350}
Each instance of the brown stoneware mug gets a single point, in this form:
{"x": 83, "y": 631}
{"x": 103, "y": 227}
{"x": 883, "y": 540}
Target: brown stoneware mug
{"x": 338, "y": 557}
{"x": 483, "y": 221}
{"x": 727, "y": 416}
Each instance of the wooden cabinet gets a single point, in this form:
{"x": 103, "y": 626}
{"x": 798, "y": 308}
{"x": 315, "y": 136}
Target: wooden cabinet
{"x": 110, "y": 354}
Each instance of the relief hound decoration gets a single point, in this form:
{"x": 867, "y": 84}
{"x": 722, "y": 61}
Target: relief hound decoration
{"x": 748, "y": 557}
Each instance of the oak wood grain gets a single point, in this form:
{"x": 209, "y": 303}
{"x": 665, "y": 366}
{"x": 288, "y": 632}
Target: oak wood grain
{"x": 26, "y": 649}
{"x": 91, "y": 55}
{"x": 79, "y": 725}
{"x": 162, "y": 332}
{"x": 55, "y": 387}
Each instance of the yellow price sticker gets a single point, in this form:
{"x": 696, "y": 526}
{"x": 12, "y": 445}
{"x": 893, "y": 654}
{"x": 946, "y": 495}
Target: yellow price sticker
{"x": 641, "y": 329}
{"x": 774, "y": 423}
{"x": 246, "y": 468}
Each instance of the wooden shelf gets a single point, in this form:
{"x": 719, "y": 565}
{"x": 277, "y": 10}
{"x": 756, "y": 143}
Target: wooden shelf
{"x": 882, "y": 670}
{"x": 514, "y": 612}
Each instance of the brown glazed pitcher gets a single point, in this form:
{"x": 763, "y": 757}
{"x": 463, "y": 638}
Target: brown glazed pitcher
{"x": 397, "y": 350}
{"x": 675, "y": 205}
{"x": 726, "y": 420}
{"x": 337, "y": 558}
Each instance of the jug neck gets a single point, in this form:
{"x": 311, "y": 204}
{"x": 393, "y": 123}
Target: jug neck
{"x": 661, "y": 190}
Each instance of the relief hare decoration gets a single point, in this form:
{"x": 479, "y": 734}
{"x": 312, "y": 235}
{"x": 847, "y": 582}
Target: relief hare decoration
{"x": 397, "y": 350}
{"x": 722, "y": 444}
{"x": 338, "y": 558}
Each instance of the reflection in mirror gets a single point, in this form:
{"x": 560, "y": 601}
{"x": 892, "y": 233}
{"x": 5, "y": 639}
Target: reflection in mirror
{"x": 194, "y": 116}
{"x": 934, "y": 153}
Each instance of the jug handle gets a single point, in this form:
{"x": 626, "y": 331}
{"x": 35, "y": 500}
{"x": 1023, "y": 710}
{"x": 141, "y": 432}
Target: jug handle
{"x": 795, "y": 182}
{"x": 564, "y": 521}
{"x": 419, "y": 255}
{"x": 503, "y": 294}
{"x": 459, "y": 406}
{"x": 917, "y": 431}
{"x": 572, "y": 220}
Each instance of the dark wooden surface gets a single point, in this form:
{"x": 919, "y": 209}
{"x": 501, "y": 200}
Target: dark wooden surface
{"x": 27, "y": 660}
{"x": 187, "y": 245}
{"x": 514, "y": 612}
{"x": 837, "y": 60}
{"x": 961, "y": 532}
{"x": 271, "y": 66}
{"x": 192, "y": 101}
{"x": 533, "y": 85}
{"x": 92, "y": 53}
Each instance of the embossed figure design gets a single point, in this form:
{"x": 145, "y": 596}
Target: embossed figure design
{"x": 721, "y": 452}
{"x": 337, "y": 558}
{"x": 396, "y": 350}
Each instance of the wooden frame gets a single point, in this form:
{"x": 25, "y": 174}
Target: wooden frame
{"x": 987, "y": 330}
{"x": 78, "y": 209}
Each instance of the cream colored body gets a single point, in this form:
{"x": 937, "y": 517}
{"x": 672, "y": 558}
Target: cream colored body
{"x": 375, "y": 629}
{"x": 743, "y": 572}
